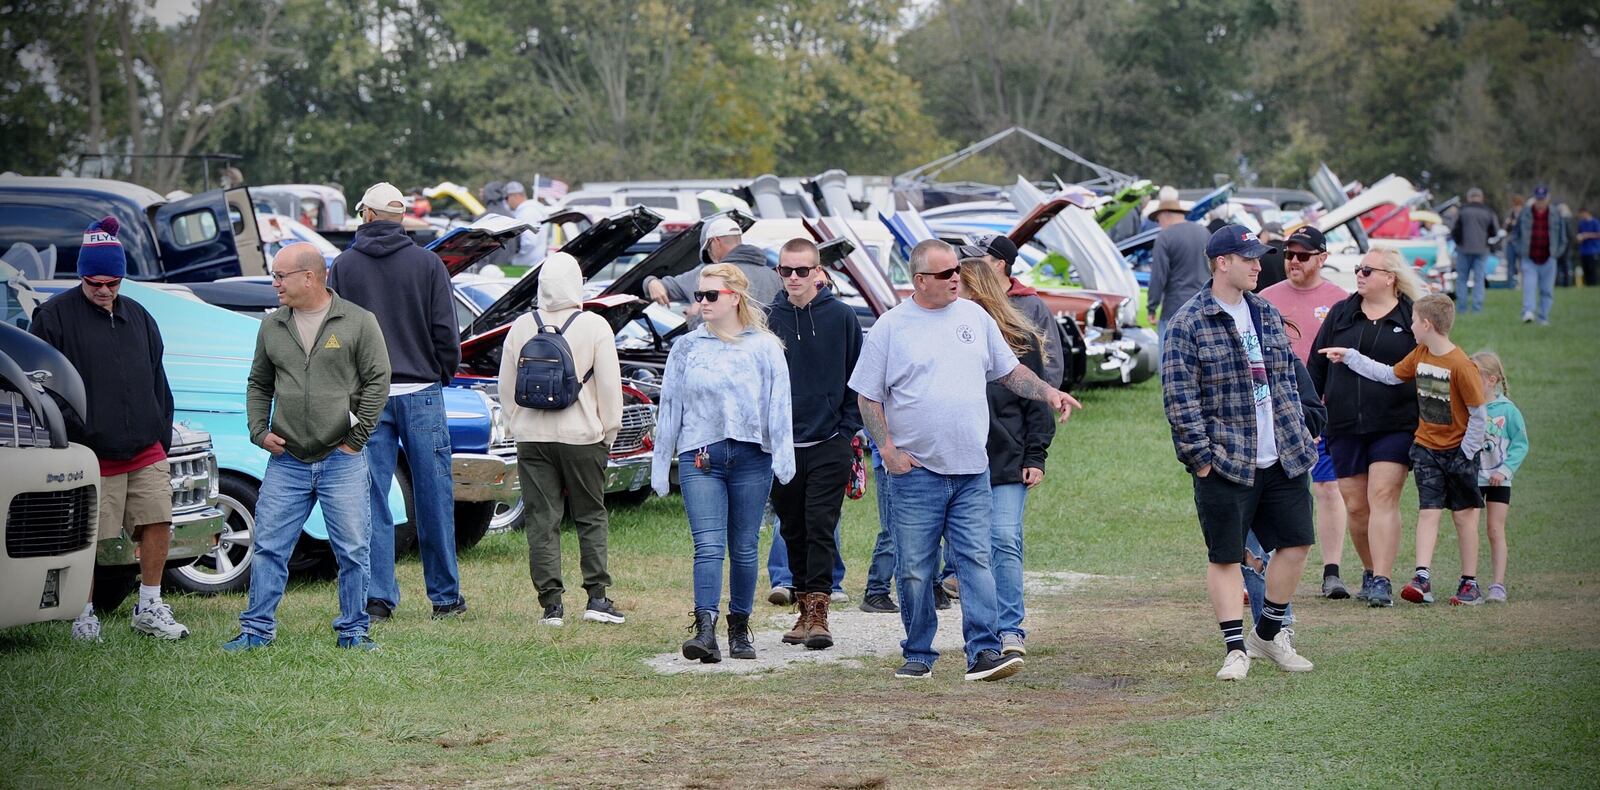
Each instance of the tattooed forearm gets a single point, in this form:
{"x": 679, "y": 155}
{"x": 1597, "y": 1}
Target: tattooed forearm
{"x": 1025, "y": 384}
{"x": 877, "y": 425}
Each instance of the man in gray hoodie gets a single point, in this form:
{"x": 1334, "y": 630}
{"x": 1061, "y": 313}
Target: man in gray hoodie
{"x": 721, "y": 241}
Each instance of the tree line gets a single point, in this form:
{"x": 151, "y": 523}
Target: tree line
{"x": 1449, "y": 93}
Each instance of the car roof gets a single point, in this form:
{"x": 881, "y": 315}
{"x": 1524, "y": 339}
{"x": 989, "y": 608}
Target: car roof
{"x": 138, "y": 194}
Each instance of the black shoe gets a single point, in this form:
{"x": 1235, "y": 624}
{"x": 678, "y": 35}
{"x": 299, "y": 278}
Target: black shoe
{"x": 703, "y": 646}
{"x": 739, "y": 644}
{"x": 941, "y": 599}
{"x": 450, "y": 609}
{"x": 914, "y": 670}
{"x": 880, "y": 603}
{"x": 554, "y": 615}
{"x": 992, "y": 666}
{"x": 378, "y": 610}
{"x": 602, "y": 610}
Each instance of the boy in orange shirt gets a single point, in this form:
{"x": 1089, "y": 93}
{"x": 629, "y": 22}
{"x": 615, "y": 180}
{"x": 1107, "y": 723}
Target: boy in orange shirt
{"x": 1450, "y": 432}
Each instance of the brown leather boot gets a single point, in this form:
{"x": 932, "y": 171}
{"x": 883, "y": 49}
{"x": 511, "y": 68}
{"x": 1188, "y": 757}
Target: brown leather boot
{"x": 802, "y": 626}
{"x": 820, "y": 637}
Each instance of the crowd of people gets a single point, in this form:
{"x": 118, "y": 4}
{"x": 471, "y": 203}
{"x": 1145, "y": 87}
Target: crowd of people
{"x": 1297, "y": 400}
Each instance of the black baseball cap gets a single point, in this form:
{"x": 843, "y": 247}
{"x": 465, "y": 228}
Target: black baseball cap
{"x": 999, "y": 246}
{"x": 1235, "y": 240}
{"x": 1308, "y": 237}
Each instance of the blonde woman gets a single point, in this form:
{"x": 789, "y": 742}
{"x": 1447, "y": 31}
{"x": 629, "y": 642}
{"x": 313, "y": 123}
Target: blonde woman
{"x": 1020, "y": 432}
{"x": 725, "y": 420}
{"x": 1370, "y": 425}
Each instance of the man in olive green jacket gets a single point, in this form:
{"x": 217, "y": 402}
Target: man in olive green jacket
{"x": 317, "y": 387}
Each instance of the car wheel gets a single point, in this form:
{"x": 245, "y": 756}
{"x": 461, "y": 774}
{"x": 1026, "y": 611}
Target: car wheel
{"x": 472, "y": 522}
{"x": 507, "y": 517}
{"x": 226, "y": 568}
{"x": 113, "y": 585}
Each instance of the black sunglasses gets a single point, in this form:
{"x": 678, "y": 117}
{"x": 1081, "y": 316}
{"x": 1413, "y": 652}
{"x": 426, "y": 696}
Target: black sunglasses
{"x": 1293, "y": 255}
{"x": 941, "y": 275}
{"x": 1366, "y": 271}
{"x": 709, "y": 296}
{"x": 795, "y": 271}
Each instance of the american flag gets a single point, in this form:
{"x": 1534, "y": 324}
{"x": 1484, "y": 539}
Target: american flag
{"x": 548, "y": 189}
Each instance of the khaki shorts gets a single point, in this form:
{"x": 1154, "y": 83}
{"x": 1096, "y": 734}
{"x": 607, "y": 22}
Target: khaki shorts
{"x": 132, "y": 500}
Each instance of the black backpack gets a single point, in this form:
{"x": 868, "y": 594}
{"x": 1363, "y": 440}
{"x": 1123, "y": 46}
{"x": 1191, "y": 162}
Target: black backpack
{"x": 546, "y": 378}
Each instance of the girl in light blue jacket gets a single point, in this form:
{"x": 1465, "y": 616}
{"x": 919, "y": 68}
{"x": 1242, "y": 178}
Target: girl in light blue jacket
{"x": 1505, "y": 447}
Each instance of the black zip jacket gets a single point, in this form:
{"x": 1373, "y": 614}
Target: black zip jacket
{"x": 118, "y": 354}
{"x": 1020, "y": 430}
{"x": 1357, "y": 405}
{"x": 821, "y": 342}
{"x": 408, "y": 289}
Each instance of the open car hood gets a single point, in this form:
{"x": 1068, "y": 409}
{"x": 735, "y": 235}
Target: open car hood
{"x": 676, "y": 255}
{"x": 1076, "y": 235}
{"x": 462, "y": 247}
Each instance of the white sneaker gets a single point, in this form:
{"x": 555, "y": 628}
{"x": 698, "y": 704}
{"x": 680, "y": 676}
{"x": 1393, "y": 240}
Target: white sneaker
{"x": 1279, "y": 650}
{"x": 1527, "y": 318}
{"x": 86, "y": 628}
{"x": 1235, "y": 666}
{"x": 156, "y": 620}
{"x": 839, "y": 596}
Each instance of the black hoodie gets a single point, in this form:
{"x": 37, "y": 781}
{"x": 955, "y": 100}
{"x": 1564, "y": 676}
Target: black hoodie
{"x": 408, "y": 289}
{"x": 1020, "y": 430}
{"x": 1358, "y": 405}
{"x": 821, "y": 341}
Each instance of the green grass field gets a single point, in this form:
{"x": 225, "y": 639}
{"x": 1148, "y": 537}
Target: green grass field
{"x": 1117, "y": 690}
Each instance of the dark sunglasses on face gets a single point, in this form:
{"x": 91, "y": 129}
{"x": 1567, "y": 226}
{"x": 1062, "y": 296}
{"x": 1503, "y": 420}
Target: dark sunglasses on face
{"x": 795, "y": 271}
{"x": 1294, "y": 255}
{"x": 709, "y": 296}
{"x": 109, "y": 282}
{"x": 942, "y": 275}
{"x": 1366, "y": 271}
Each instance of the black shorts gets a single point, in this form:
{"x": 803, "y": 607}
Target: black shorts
{"x": 1500, "y": 494}
{"x": 1352, "y": 454}
{"x": 1277, "y": 508}
{"x": 1446, "y": 479}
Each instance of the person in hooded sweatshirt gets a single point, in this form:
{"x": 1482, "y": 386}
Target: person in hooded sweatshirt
{"x": 822, "y": 339}
{"x": 565, "y": 450}
{"x": 721, "y": 241}
{"x": 408, "y": 289}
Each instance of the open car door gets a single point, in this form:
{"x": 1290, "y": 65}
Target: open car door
{"x": 196, "y": 238}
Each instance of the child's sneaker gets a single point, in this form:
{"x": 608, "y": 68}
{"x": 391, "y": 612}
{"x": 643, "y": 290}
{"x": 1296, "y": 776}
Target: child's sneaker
{"x": 1418, "y": 590}
{"x": 1467, "y": 594}
{"x": 1497, "y": 593}
{"x": 1366, "y": 586}
{"x": 1381, "y": 593}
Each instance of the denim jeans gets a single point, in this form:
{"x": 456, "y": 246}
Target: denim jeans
{"x": 1470, "y": 273}
{"x": 778, "y": 574}
{"x": 880, "y": 572}
{"x": 1538, "y": 279}
{"x": 1005, "y": 553}
{"x": 289, "y": 490}
{"x": 1255, "y": 582}
{"x": 417, "y": 423}
{"x": 925, "y": 507}
{"x": 724, "y": 503}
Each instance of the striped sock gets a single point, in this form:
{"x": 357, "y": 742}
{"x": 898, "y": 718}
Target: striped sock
{"x": 1271, "y": 621}
{"x": 1232, "y": 634}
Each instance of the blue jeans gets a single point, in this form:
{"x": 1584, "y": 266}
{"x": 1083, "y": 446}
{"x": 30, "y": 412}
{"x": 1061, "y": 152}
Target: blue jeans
{"x": 925, "y": 507}
{"x": 1255, "y": 582}
{"x": 289, "y": 490}
{"x": 880, "y": 573}
{"x": 1005, "y": 553}
{"x": 1538, "y": 279}
{"x": 778, "y": 574}
{"x": 417, "y": 423}
{"x": 1470, "y": 272}
{"x": 724, "y": 503}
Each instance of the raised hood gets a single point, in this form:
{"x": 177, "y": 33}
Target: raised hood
{"x": 676, "y": 255}
{"x": 463, "y": 247}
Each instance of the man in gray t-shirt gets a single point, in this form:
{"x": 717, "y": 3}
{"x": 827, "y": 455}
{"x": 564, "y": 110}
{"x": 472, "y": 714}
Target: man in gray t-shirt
{"x": 921, "y": 381}
{"x": 1177, "y": 263}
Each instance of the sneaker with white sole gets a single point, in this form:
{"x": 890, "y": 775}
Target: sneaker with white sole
{"x": 1280, "y": 651}
{"x": 1235, "y": 666}
{"x": 1527, "y": 318}
{"x": 1497, "y": 593}
{"x": 156, "y": 620}
{"x": 990, "y": 665}
{"x": 914, "y": 670}
{"x": 1012, "y": 644}
{"x": 602, "y": 610}
{"x": 781, "y": 596}
{"x": 553, "y": 615}
{"x": 86, "y": 628}
{"x": 838, "y": 596}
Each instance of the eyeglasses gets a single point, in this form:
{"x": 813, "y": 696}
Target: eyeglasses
{"x": 795, "y": 271}
{"x": 709, "y": 296}
{"x": 109, "y": 283}
{"x": 941, "y": 275}
{"x": 278, "y": 277}
{"x": 1366, "y": 271}
{"x": 1292, "y": 255}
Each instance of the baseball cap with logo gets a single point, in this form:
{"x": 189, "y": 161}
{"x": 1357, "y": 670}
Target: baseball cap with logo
{"x": 383, "y": 196}
{"x": 1308, "y": 237}
{"x": 1541, "y": 192}
{"x": 1235, "y": 240}
{"x": 999, "y": 246}
{"x": 715, "y": 228}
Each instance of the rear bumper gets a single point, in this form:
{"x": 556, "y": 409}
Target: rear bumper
{"x": 628, "y": 473}
{"x": 485, "y": 477}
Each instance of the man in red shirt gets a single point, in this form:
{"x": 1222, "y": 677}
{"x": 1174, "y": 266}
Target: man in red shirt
{"x": 1540, "y": 236}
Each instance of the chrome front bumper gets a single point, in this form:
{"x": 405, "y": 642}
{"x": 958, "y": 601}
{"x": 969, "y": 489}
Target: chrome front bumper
{"x": 486, "y": 477}
{"x": 629, "y": 473}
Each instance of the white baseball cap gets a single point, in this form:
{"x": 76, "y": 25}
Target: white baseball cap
{"x": 383, "y": 196}
{"x": 715, "y": 228}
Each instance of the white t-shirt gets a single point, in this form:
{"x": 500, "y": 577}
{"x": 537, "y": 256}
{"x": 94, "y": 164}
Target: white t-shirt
{"x": 1266, "y": 440}
{"x": 930, "y": 370}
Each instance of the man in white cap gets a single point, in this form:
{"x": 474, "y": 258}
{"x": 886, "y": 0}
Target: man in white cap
{"x": 720, "y": 242}
{"x": 533, "y": 239}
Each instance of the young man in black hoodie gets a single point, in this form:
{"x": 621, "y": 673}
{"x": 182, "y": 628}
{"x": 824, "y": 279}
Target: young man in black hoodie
{"x": 822, "y": 340}
{"x": 408, "y": 289}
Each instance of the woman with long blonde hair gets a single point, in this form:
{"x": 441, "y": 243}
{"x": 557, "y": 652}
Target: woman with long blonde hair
{"x": 724, "y": 418}
{"x": 1020, "y": 432}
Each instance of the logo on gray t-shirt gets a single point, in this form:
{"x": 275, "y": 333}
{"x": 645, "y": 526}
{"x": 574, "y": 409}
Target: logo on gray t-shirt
{"x": 965, "y": 333}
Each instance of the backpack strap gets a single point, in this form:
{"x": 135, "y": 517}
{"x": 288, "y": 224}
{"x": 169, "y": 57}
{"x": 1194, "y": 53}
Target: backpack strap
{"x": 540, "y": 322}
{"x": 563, "y": 331}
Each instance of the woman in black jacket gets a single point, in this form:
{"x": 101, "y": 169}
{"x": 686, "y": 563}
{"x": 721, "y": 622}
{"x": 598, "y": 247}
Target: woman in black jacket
{"x": 1020, "y": 432}
{"x": 1371, "y": 425}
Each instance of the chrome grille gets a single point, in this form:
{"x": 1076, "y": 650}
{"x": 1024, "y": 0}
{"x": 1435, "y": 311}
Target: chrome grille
{"x": 48, "y": 523}
{"x": 638, "y": 421}
{"x": 19, "y": 426}
{"x": 193, "y": 476}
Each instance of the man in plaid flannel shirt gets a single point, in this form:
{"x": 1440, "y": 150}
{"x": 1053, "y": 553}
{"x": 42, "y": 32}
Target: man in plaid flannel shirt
{"x": 1228, "y": 381}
